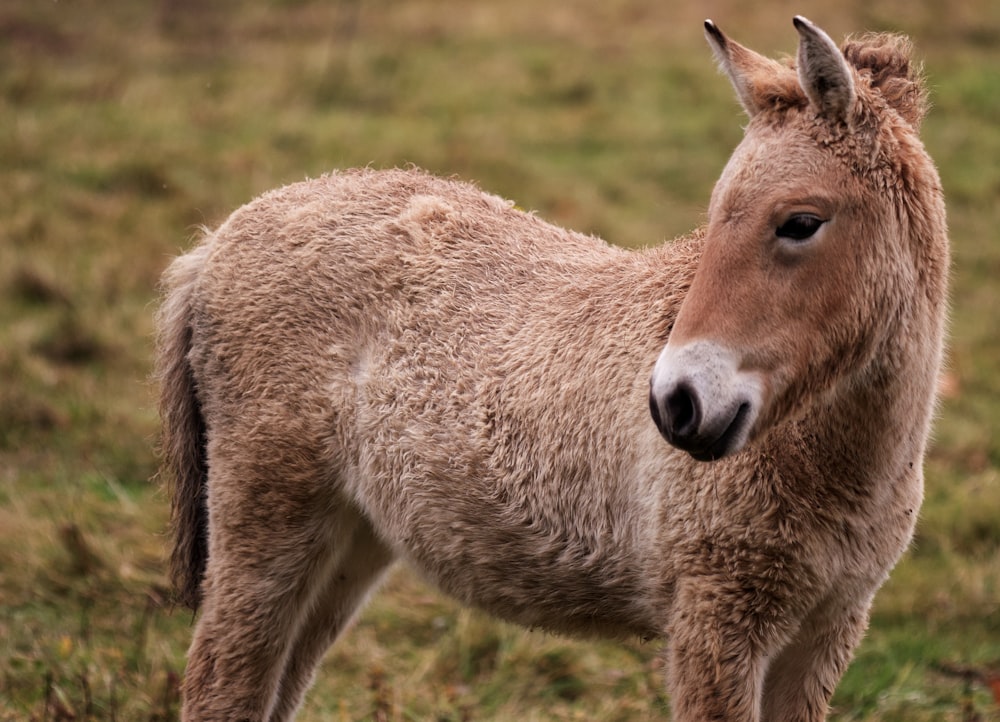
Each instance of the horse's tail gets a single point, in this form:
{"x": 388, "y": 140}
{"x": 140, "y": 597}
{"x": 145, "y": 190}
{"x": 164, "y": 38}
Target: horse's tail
{"x": 184, "y": 463}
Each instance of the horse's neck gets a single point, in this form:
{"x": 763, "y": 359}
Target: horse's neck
{"x": 874, "y": 430}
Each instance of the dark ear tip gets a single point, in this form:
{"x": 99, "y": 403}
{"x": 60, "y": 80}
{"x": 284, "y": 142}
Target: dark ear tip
{"x": 712, "y": 30}
{"x": 801, "y": 23}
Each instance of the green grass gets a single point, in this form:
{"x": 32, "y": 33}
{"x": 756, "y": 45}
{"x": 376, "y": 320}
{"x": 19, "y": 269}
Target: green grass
{"x": 124, "y": 126}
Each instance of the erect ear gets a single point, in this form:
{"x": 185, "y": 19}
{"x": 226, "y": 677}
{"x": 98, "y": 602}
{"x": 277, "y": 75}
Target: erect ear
{"x": 823, "y": 72}
{"x": 748, "y": 71}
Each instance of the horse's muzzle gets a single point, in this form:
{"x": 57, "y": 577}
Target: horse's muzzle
{"x": 701, "y": 402}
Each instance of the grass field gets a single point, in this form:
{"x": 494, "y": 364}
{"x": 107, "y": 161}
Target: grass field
{"x": 124, "y": 126}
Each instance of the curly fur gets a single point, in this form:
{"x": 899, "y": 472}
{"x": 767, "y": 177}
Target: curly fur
{"x": 379, "y": 366}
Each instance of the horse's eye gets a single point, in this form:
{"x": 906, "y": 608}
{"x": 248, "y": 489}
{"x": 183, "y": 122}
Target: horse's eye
{"x": 799, "y": 227}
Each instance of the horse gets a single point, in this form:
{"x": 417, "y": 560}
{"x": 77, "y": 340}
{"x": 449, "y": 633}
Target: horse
{"x": 381, "y": 365}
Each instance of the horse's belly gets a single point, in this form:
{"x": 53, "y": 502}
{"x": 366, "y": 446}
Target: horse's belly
{"x": 525, "y": 574}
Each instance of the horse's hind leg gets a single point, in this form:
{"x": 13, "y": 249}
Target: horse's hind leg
{"x": 347, "y": 586}
{"x": 277, "y": 529}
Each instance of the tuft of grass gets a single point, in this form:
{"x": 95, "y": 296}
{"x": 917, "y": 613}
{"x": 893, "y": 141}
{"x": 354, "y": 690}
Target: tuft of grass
{"x": 129, "y": 125}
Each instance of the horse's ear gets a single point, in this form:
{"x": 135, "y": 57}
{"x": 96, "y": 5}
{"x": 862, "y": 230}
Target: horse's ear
{"x": 748, "y": 71}
{"x": 823, "y": 72}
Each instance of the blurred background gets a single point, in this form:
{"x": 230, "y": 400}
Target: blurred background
{"x": 125, "y": 127}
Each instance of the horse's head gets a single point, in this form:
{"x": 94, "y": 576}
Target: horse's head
{"x": 814, "y": 247}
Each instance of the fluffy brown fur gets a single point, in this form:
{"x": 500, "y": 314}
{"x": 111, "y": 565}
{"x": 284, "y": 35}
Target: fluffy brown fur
{"x": 379, "y": 366}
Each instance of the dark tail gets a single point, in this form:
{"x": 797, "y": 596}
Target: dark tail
{"x": 182, "y": 442}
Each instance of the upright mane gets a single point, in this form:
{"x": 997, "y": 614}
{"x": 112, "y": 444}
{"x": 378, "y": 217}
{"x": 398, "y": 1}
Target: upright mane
{"x": 885, "y": 64}
{"x": 887, "y": 75}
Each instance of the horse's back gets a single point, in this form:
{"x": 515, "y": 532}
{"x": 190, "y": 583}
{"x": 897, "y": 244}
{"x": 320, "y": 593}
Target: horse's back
{"x": 327, "y": 297}
{"x": 378, "y": 234}
{"x": 426, "y": 352}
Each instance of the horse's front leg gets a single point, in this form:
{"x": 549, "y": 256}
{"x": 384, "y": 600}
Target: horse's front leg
{"x": 802, "y": 677}
{"x": 715, "y": 652}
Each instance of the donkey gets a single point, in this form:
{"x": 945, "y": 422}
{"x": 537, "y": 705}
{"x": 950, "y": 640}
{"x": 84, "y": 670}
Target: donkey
{"x": 382, "y": 365}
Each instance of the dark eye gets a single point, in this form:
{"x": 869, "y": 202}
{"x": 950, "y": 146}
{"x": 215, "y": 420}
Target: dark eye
{"x": 799, "y": 227}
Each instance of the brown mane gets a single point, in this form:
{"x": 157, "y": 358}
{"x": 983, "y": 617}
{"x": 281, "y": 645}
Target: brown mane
{"x": 885, "y": 66}
{"x": 885, "y": 62}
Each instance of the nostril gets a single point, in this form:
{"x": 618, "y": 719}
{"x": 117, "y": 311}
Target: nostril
{"x": 654, "y": 410}
{"x": 683, "y": 413}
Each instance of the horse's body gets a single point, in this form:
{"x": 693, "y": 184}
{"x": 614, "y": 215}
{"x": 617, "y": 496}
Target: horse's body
{"x": 375, "y": 366}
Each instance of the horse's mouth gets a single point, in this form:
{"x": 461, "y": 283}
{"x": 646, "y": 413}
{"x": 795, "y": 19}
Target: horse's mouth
{"x": 731, "y": 439}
